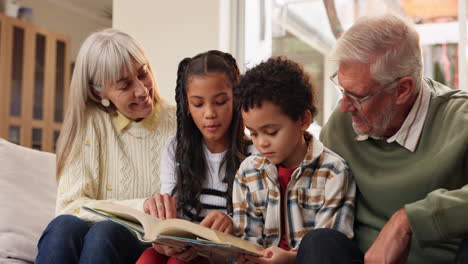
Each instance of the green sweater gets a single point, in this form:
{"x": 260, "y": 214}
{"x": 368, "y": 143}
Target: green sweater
{"x": 430, "y": 182}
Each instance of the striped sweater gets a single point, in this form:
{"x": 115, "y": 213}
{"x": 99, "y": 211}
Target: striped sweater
{"x": 214, "y": 189}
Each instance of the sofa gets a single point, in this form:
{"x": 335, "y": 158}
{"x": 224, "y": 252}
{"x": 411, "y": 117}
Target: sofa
{"x": 27, "y": 200}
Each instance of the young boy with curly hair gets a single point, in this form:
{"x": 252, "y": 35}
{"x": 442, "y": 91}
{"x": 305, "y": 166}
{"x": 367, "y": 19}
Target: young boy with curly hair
{"x": 293, "y": 184}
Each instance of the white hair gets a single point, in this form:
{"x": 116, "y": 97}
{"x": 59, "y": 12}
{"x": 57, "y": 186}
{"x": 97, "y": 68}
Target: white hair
{"x": 103, "y": 58}
{"x": 389, "y": 43}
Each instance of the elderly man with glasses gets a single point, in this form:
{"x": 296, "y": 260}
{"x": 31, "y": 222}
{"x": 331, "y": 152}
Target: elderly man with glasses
{"x": 405, "y": 138}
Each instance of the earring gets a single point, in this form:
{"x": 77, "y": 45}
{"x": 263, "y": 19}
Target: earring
{"x": 105, "y": 102}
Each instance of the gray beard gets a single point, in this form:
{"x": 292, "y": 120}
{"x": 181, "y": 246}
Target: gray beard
{"x": 384, "y": 122}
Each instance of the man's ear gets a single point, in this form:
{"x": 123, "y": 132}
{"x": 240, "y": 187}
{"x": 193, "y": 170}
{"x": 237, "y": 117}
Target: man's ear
{"x": 405, "y": 90}
{"x": 306, "y": 120}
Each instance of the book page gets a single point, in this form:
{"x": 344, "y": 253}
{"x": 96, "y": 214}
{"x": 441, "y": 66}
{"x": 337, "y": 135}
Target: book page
{"x": 150, "y": 229}
{"x": 146, "y": 221}
{"x": 133, "y": 225}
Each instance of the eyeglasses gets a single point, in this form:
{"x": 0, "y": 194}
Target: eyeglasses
{"x": 356, "y": 101}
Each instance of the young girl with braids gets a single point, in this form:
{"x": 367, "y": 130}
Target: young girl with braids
{"x": 198, "y": 166}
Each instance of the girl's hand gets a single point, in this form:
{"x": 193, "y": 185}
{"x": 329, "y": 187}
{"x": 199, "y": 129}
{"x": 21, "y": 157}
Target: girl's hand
{"x": 187, "y": 255}
{"x": 271, "y": 255}
{"x": 179, "y": 253}
{"x": 167, "y": 251}
{"x": 218, "y": 221}
{"x": 162, "y": 206}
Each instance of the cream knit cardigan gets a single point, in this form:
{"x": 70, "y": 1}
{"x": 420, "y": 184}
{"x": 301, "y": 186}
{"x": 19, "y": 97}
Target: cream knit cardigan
{"x": 119, "y": 166}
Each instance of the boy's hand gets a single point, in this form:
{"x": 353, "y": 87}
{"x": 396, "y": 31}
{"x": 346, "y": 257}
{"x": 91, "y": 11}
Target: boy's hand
{"x": 218, "y": 221}
{"x": 162, "y": 206}
{"x": 271, "y": 255}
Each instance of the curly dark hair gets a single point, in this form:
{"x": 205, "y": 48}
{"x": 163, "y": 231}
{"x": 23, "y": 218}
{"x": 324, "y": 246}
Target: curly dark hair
{"x": 189, "y": 155}
{"x": 280, "y": 81}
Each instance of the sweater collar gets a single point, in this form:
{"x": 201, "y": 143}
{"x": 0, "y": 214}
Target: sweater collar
{"x": 121, "y": 122}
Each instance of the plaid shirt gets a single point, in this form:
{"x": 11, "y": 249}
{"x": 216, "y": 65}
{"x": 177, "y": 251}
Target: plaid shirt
{"x": 321, "y": 194}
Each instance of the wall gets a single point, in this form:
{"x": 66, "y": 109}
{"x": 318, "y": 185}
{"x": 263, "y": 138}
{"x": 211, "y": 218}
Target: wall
{"x": 172, "y": 30}
{"x": 57, "y": 17}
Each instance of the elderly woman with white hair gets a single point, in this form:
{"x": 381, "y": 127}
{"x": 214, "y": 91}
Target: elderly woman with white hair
{"x": 109, "y": 149}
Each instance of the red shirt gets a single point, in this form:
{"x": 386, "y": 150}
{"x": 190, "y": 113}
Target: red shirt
{"x": 284, "y": 176}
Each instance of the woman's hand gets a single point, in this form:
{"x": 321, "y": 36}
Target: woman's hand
{"x": 218, "y": 221}
{"x": 271, "y": 255}
{"x": 162, "y": 206}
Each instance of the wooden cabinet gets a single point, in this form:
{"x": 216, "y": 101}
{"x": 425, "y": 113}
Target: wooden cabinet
{"x": 34, "y": 79}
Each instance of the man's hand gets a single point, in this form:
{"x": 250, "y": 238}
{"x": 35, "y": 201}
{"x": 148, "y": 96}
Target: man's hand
{"x": 392, "y": 246}
{"x": 162, "y": 206}
{"x": 271, "y": 255}
{"x": 218, "y": 221}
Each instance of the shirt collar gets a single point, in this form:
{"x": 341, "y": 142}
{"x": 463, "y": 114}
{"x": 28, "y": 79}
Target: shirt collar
{"x": 150, "y": 122}
{"x": 409, "y": 133}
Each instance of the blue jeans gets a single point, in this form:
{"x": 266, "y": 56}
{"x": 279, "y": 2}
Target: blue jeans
{"x": 327, "y": 246}
{"x": 68, "y": 239}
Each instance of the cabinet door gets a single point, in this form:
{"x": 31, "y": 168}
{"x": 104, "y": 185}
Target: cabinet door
{"x": 3, "y": 96}
{"x": 35, "y": 72}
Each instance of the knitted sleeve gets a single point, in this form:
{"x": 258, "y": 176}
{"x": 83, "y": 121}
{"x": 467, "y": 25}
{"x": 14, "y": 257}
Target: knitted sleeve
{"x": 80, "y": 179}
{"x": 441, "y": 215}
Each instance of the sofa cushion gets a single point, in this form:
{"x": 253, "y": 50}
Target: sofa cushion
{"x": 27, "y": 199}
{"x": 12, "y": 261}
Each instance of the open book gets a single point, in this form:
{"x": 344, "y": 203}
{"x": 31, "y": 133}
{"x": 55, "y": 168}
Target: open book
{"x": 174, "y": 232}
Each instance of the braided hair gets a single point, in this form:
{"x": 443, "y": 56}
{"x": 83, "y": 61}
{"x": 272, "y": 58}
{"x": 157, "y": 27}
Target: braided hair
{"x": 191, "y": 169}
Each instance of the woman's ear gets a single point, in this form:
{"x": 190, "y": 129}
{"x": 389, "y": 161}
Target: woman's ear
{"x": 405, "y": 90}
{"x": 306, "y": 120}
{"x": 95, "y": 90}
